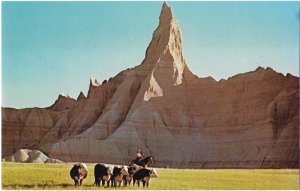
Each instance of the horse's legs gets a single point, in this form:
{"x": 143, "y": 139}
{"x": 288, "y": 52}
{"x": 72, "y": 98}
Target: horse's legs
{"x": 144, "y": 182}
{"x": 138, "y": 182}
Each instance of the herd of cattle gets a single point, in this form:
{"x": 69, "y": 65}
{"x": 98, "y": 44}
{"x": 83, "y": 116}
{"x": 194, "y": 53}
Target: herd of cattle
{"x": 113, "y": 176}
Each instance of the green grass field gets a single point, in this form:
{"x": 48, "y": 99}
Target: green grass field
{"x": 56, "y": 177}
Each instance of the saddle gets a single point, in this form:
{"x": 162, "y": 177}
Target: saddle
{"x": 138, "y": 161}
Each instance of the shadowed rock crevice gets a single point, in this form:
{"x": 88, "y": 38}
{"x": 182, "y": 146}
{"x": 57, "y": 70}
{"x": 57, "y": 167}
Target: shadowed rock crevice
{"x": 283, "y": 111}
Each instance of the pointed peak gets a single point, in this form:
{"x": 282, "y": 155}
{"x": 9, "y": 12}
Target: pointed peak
{"x": 165, "y": 14}
{"x": 259, "y": 68}
{"x": 81, "y": 96}
{"x": 94, "y": 81}
{"x": 165, "y": 50}
{"x": 165, "y": 6}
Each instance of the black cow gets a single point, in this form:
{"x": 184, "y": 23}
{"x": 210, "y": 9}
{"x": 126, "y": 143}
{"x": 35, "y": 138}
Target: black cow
{"x": 101, "y": 173}
{"x": 142, "y": 175}
{"x": 117, "y": 176}
{"x": 79, "y": 172}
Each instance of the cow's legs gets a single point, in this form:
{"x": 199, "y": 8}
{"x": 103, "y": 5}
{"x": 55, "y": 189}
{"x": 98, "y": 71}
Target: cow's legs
{"x": 80, "y": 182}
{"x": 75, "y": 182}
{"x": 111, "y": 182}
{"x": 76, "y": 179}
{"x": 97, "y": 182}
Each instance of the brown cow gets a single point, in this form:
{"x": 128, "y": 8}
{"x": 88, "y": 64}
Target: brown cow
{"x": 117, "y": 176}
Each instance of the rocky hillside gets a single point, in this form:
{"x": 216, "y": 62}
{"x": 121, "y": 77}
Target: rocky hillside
{"x": 250, "y": 120}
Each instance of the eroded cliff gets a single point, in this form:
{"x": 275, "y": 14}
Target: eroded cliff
{"x": 250, "y": 120}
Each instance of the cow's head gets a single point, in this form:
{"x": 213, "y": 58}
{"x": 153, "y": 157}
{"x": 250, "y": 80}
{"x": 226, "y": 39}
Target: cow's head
{"x": 108, "y": 170}
{"x": 130, "y": 170}
{"x": 153, "y": 173}
{"x": 123, "y": 171}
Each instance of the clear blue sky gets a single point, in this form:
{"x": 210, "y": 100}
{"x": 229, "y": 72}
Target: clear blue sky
{"x": 49, "y": 48}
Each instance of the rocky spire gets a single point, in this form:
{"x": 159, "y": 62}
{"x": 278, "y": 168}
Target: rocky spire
{"x": 81, "y": 96}
{"x": 165, "y": 14}
{"x": 94, "y": 81}
{"x": 164, "y": 36}
{"x": 94, "y": 84}
{"x": 164, "y": 59}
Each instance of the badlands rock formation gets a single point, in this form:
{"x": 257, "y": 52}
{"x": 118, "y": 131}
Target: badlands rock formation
{"x": 250, "y": 120}
{"x": 30, "y": 156}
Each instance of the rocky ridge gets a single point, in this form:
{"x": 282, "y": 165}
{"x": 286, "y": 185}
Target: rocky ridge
{"x": 250, "y": 120}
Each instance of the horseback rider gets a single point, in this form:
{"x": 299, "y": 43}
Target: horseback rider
{"x": 141, "y": 160}
{"x": 140, "y": 156}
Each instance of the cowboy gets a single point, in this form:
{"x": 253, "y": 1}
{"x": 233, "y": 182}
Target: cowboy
{"x": 139, "y": 155}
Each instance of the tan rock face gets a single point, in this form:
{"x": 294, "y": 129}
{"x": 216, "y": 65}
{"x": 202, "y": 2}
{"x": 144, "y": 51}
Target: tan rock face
{"x": 250, "y": 120}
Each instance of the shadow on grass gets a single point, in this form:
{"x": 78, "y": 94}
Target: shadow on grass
{"x": 50, "y": 186}
{"x": 30, "y": 186}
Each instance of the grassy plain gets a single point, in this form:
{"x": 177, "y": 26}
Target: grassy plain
{"x": 56, "y": 177}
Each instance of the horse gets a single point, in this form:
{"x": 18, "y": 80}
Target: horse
{"x": 142, "y": 162}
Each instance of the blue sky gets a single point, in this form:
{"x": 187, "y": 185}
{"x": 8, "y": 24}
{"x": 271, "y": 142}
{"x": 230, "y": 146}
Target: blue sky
{"x": 49, "y": 48}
